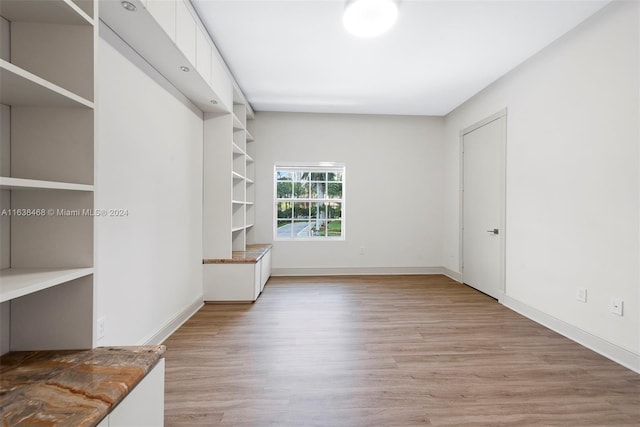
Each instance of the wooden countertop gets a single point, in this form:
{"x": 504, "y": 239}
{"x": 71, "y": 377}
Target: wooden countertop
{"x": 253, "y": 254}
{"x": 70, "y": 387}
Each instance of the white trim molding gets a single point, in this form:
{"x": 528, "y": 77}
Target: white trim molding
{"x": 174, "y": 323}
{"x": 609, "y": 350}
{"x": 357, "y": 271}
{"x": 452, "y": 274}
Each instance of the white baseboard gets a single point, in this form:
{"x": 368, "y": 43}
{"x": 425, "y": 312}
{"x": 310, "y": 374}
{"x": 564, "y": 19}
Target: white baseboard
{"x": 611, "y": 351}
{"x": 174, "y": 323}
{"x": 355, "y": 271}
{"x": 452, "y": 274}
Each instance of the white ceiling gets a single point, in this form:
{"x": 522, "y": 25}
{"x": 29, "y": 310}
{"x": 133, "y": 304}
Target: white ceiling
{"x": 294, "y": 55}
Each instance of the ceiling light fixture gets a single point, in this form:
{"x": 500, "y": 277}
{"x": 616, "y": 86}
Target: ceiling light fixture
{"x": 369, "y": 18}
{"x": 214, "y": 102}
{"x": 185, "y": 69}
{"x": 129, "y": 6}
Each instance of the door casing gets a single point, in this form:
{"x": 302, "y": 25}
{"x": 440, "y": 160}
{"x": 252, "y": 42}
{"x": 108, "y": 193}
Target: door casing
{"x": 503, "y": 196}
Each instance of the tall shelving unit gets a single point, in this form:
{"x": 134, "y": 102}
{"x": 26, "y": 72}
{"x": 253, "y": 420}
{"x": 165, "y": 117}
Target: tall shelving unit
{"x": 239, "y": 202}
{"x": 47, "y": 173}
{"x": 251, "y": 178}
{"x": 236, "y": 269}
{"x": 229, "y": 175}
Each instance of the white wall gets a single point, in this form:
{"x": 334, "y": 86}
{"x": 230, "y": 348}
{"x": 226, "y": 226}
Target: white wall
{"x": 394, "y": 189}
{"x": 572, "y": 176}
{"x": 149, "y": 161}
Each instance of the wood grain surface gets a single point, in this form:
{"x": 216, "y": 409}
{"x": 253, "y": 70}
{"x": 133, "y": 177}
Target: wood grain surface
{"x": 385, "y": 351}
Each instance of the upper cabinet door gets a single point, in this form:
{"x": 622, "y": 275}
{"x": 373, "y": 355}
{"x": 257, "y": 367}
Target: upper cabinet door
{"x": 203, "y": 55}
{"x": 185, "y": 31}
{"x": 221, "y": 82}
{"x": 164, "y": 11}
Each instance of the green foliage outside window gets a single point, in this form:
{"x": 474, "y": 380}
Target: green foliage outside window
{"x": 309, "y": 203}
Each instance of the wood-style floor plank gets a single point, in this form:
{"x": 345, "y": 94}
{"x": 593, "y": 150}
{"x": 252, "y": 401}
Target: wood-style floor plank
{"x": 385, "y": 351}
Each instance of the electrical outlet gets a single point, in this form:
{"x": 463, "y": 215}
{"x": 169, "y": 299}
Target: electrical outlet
{"x": 100, "y": 330}
{"x": 362, "y": 250}
{"x": 616, "y": 306}
{"x": 581, "y": 294}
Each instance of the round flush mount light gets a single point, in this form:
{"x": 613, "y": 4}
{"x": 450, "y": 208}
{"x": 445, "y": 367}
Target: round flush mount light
{"x": 129, "y": 6}
{"x": 369, "y": 18}
{"x": 185, "y": 69}
{"x": 214, "y": 102}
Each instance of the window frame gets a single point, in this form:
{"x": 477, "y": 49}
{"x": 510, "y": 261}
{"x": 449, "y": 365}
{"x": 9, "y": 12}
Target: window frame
{"x": 311, "y": 167}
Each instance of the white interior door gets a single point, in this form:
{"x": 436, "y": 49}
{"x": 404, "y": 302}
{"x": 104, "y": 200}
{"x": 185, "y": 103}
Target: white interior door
{"x": 483, "y": 236}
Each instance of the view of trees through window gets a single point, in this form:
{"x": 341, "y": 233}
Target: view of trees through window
{"x": 309, "y": 202}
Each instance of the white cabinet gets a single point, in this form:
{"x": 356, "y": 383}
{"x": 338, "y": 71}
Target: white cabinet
{"x": 185, "y": 31}
{"x": 143, "y": 406}
{"x": 203, "y": 55}
{"x": 220, "y": 81}
{"x": 167, "y": 34}
{"x": 265, "y": 270}
{"x": 241, "y": 278}
{"x": 164, "y": 12}
{"x": 46, "y": 173}
{"x": 232, "y": 282}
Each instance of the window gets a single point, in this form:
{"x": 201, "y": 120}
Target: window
{"x": 309, "y": 202}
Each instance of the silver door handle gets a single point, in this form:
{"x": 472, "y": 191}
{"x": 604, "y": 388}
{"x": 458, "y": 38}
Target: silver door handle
{"x": 494, "y": 231}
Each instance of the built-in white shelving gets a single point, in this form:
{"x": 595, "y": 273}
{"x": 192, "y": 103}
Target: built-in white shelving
{"x": 170, "y": 36}
{"x": 237, "y": 124}
{"x": 237, "y": 149}
{"x": 20, "y": 87}
{"x": 7, "y": 183}
{"x": 18, "y": 282}
{"x": 47, "y": 145}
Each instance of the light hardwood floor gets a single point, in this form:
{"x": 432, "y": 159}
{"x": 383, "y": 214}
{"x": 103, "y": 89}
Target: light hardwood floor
{"x": 385, "y": 351}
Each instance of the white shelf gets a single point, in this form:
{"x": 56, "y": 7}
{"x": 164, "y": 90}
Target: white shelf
{"x": 249, "y": 180}
{"x": 249, "y": 159}
{"x": 248, "y": 203}
{"x": 20, "y": 87}
{"x": 237, "y": 176}
{"x": 7, "y": 183}
{"x": 237, "y": 202}
{"x": 237, "y": 124}
{"x": 17, "y": 282}
{"x": 50, "y": 12}
{"x": 235, "y": 229}
{"x": 237, "y": 150}
{"x": 250, "y": 113}
{"x": 249, "y": 137}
